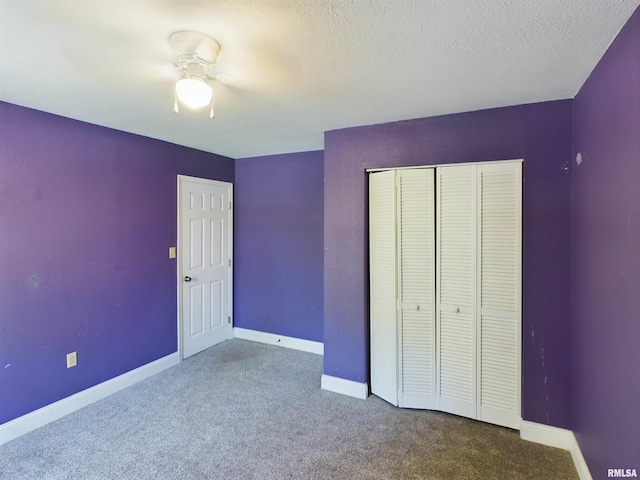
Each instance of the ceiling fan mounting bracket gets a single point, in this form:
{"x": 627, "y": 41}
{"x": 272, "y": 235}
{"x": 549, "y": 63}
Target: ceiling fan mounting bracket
{"x": 194, "y": 53}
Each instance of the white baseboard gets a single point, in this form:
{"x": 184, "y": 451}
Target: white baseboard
{"x": 345, "y": 387}
{"x": 578, "y": 460}
{"x": 546, "y": 435}
{"x": 280, "y": 340}
{"x": 559, "y": 438}
{"x": 54, "y": 411}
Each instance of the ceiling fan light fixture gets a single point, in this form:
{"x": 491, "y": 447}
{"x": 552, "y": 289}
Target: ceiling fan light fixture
{"x": 196, "y": 55}
{"x": 194, "y": 92}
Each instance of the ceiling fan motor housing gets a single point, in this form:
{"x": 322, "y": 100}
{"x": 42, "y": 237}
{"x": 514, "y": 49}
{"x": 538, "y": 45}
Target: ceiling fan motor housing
{"x": 195, "y": 53}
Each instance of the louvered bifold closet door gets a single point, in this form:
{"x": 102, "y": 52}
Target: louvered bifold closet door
{"x": 456, "y": 289}
{"x": 500, "y": 297}
{"x": 383, "y": 287}
{"x": 416, "y": 252}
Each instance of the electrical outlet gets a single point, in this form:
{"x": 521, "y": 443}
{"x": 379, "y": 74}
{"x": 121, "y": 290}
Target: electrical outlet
{"x": 172, "y": 252}
{"x": 72, "y": 359}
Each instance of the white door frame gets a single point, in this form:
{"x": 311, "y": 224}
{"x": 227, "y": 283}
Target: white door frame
{"x": 179, "y": 274}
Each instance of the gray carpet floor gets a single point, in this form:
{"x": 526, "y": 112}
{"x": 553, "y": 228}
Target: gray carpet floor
{"x": 243, "y": 410}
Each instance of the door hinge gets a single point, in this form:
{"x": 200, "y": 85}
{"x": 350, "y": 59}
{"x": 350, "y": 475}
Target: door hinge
{"x": 229, "y": 320}
{"x": 229, "y": 262}
{"x": 229, "y": 205}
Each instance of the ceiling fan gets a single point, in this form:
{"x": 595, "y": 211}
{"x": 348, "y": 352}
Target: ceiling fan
{"x": 195, "y": 55}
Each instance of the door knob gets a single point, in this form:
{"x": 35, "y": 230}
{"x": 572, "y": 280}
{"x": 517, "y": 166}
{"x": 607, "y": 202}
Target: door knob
{"x": 187, "y": 278}
{"x": 457, "y": 309}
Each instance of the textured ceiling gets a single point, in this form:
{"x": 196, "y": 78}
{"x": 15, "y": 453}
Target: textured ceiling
{"x": 290, "y": 70}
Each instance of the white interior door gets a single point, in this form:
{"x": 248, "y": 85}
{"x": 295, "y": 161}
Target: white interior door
{"x": 205, "y": 233}
{"x": 449, "y": 340}
{"x": 457, "y": 287}
{"x": 416, "y": 252}
{"x": 383, "y": 287}
{"x": 500, "y": 322}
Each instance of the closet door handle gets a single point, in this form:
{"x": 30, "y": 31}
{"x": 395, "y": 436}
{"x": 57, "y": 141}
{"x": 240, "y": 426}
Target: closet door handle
{"x": 417, "y": 307}
{"x": 187, "y": 278}
{"x": 457, "y": 309}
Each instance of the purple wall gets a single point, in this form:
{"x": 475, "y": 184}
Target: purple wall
{"x": 278, "y": 247}
{"x": 606, "y": 261}
{"x": 541, "y": 134}
{"x": 87, "y": 215}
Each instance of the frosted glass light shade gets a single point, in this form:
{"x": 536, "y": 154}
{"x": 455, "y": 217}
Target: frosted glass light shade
{"x": 194, "y": 92}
